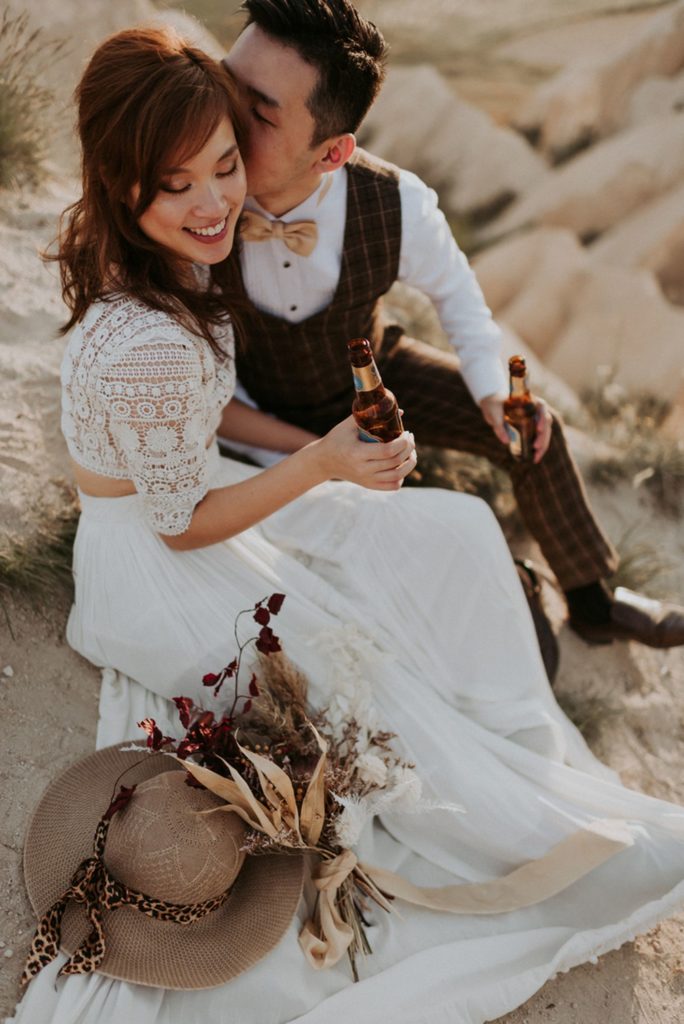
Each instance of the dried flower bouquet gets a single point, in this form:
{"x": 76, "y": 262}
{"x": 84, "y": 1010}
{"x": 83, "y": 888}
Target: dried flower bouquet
{"x": 302, "y": 779}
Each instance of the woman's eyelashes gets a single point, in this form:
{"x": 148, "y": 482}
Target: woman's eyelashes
{"x": 184, "y": 188}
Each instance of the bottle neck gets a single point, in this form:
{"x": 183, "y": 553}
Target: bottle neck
{"x": 366, "y": 378}
{"x": 518, "y": 386}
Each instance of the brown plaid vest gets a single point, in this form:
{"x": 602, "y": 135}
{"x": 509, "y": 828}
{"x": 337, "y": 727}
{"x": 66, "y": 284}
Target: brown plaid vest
{"x": 300, "y": 372}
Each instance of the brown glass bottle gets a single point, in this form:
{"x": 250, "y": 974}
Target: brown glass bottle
{"x": 374, "y": 408}
{"x": 520, "y": 412}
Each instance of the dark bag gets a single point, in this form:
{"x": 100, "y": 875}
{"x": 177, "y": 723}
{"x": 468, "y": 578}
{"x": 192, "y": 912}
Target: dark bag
{"x": 548, "y": 643}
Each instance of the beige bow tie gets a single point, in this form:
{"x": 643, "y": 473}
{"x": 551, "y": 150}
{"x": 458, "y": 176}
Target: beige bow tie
{"x": 300, "y": 236}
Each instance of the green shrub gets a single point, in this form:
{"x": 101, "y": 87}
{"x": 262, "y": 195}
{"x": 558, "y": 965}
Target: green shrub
{"x": 24, "y": 102}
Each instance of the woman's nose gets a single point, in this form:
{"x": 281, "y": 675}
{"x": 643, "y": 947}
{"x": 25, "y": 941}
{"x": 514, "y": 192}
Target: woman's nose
{"x": 212, "y": 199}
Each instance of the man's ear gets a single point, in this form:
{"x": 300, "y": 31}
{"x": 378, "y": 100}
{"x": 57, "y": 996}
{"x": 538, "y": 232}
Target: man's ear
{"x": 336, "y": 151}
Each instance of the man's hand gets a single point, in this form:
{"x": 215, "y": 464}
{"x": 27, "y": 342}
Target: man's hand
{"x": 492, "y": 410}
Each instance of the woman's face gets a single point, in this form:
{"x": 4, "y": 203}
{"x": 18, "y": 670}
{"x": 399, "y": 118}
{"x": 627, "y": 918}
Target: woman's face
{"x": 196, "y": 209}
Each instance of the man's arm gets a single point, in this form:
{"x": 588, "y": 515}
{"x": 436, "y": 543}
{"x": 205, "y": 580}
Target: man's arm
{"x": 248, "y": 425}
{"x": 431, "y": 261}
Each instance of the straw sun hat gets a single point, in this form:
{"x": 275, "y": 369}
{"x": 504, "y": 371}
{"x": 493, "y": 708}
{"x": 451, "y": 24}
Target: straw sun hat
{"x": 232, "y": 909}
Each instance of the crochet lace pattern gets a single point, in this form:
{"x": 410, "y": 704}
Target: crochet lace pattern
{"x": 140, "y": 398}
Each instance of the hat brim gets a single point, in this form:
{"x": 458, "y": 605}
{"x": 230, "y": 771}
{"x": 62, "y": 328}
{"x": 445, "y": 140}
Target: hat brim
{"x": 140, "y": 949}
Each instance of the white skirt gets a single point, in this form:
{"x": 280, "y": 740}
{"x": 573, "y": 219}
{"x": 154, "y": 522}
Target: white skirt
{"x": 415, "y": 594}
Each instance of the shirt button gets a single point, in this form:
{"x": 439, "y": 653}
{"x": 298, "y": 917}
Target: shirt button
{"x": 292, "y": 309}
{"x": 287, "y": 263}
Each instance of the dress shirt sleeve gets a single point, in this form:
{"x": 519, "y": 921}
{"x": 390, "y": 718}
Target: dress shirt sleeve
{"x": 431, "y": 261}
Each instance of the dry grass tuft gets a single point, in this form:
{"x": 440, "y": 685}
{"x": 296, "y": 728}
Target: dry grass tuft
{"x": 38, "y": 567}
{"x": 631, "y": 425}
{"x": 591, "y": 715}
{"x": 642, "y": 567}
{"x": 24, "y": 102}
{"x": 283, "y": 696}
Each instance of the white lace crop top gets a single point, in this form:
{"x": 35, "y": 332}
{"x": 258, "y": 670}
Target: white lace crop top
{"x": 140, "y": 398}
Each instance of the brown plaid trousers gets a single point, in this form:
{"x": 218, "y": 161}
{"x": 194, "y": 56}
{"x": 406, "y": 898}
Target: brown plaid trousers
{"x": 300, "y": 372}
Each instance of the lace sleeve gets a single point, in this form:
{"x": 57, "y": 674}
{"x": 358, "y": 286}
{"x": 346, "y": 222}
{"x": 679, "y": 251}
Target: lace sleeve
{"x": 152, "y": 397}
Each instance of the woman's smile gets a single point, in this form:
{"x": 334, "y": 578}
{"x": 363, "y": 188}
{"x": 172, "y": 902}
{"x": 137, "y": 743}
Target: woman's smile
{"x": 209, "y": 235}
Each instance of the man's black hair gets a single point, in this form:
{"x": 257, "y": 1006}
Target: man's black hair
{"x": 348, "y": 52}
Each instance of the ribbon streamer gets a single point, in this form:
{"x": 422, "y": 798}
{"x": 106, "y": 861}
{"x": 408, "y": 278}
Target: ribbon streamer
{"x": 326, "y": 937}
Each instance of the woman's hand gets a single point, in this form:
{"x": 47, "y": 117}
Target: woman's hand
{"x": 226, "y": 511}
{"x": 381, "y": 467}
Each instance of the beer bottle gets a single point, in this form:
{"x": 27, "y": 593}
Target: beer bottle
{"x": 520, "y": 412}
{"x": 374, "y": 408}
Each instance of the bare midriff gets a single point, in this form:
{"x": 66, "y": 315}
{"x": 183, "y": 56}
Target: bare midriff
{"x": 96, "y": 485}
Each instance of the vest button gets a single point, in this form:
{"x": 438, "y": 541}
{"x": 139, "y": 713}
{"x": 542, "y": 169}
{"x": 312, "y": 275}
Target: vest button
{"x": 292, "y": 309}
{"x": 287, "y": 263}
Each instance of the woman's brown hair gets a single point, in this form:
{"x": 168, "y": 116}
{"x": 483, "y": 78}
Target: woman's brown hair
{"x": 147, "y": 100}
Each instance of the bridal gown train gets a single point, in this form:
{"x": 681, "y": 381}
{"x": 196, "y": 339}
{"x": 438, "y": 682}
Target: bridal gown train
{"x": 412, "y": 595}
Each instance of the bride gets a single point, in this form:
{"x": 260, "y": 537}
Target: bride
{"x": 410, "y": 593}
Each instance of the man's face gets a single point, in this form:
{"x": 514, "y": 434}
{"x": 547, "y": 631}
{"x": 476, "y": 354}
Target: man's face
{"x": 275, "y": 84}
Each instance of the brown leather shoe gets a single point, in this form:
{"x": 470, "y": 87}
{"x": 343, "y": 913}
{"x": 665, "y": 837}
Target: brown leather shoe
{"x": 635, "y": 617}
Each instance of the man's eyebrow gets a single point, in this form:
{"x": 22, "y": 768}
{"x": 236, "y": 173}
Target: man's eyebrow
{"x": 224, "y": 156}
{"x": 269, "y": 101}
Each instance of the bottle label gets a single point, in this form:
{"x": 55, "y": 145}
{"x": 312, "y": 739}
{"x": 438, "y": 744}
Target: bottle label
{"x": 365, "y": 436}
{"x": 366, "y": 378}
{"x": 515, "y": 444}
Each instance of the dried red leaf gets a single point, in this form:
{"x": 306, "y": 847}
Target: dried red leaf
{"x": 224, "y": 727}
{"x": 230, "y": 670}
{"x": 275, "y": 603}
{"x": 253, "y": 688}
{"x": 119, "y": 801}
{"x": 210, "y": 679}
{"x": 155, "y": 739}
{"x": 187, "y": 747}
{"x": 262, "y": 616}
{"x": 247, "y": 706}
{"x": 185, "y": 706}
{"x": 267, "y": 642}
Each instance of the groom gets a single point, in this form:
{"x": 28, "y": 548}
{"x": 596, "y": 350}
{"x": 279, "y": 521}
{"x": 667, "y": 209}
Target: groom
{"x": 327, "y": 230}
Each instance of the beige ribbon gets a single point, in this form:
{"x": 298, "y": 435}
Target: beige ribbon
{"x": 299, "y": 236}
{"x": 326, "y": 937}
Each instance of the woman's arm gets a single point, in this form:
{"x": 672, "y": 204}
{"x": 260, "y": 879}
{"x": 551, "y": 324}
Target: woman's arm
{"x": 227, "y": 511}
{"x": 247, "y": 425}
{"x": 152, "y": 397}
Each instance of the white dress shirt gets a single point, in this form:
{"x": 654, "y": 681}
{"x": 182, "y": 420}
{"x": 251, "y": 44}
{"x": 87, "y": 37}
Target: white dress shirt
{"x": 295, "y": 287}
